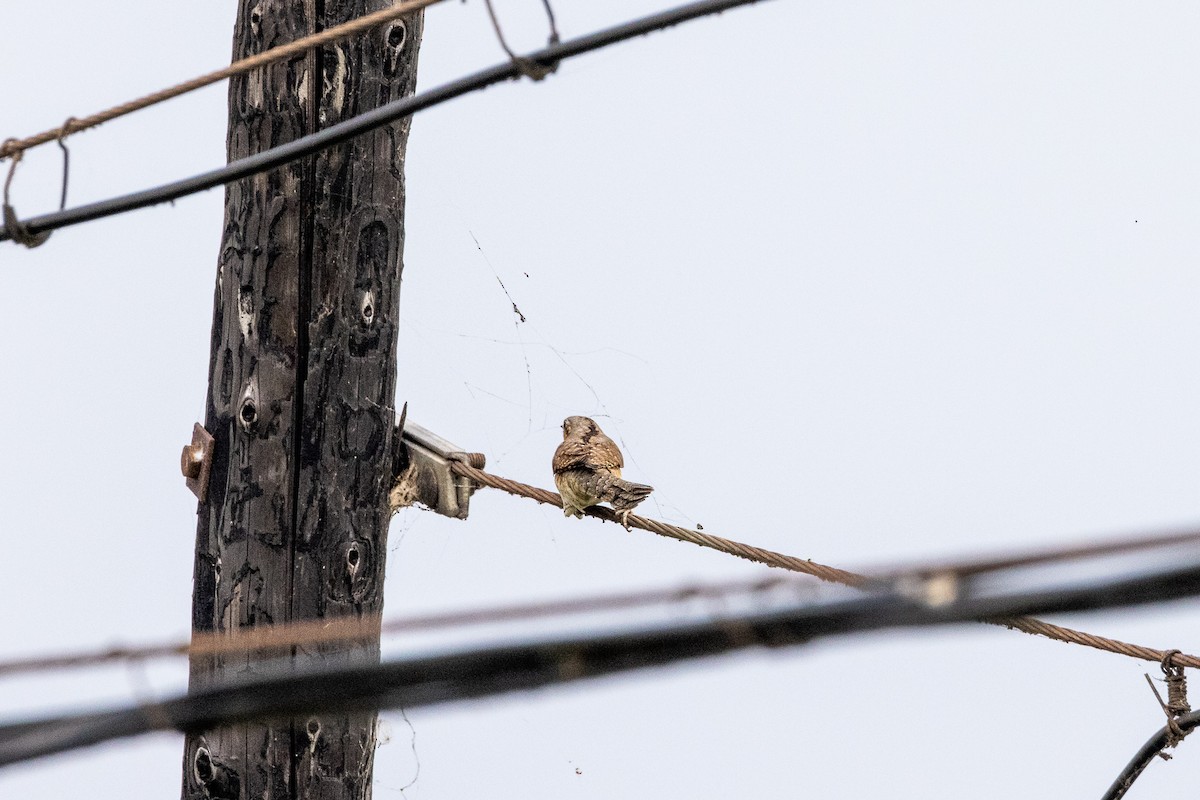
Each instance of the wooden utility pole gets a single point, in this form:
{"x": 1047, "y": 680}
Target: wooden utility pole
{"x": 301, "y": 389}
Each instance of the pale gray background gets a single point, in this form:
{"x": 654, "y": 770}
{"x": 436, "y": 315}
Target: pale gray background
{"x": 861, "y": 282}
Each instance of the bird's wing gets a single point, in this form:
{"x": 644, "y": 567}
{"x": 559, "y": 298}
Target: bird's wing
{"x": 596, "y": 452}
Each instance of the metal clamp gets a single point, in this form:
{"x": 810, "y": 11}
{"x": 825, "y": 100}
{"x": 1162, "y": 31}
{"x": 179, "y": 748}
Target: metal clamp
{"x": 426, "y": 477}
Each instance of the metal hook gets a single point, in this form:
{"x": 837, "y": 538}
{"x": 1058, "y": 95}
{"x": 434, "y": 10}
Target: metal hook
{"x": 553, "y": 27}
{"x": 19, "y": 233}
{"x": 527, "y": 66}
{"x": 63, "y": 133}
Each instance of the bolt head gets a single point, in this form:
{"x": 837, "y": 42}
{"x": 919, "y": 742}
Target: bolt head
{"x": 190, "y": 461}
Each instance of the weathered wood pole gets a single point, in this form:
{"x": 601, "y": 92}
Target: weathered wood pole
{"x": 301, "y": 388}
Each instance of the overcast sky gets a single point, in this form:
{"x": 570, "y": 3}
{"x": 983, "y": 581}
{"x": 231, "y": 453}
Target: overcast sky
{"x": 859, "y": 282}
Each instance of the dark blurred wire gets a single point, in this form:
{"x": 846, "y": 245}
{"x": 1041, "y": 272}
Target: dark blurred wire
{"x": 495, "y": 670}
{"x": 13, "y": 147}
{"x": 324, "y": 630}
{"x": 1149, "y": 750}
{"x": 280, "y": 637}
{"x": 336, "y": 134}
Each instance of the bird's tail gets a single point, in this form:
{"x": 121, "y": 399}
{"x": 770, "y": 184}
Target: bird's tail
{"x": 627, "y": 494}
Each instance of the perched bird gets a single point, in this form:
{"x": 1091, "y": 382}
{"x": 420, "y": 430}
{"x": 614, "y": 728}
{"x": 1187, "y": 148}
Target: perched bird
{"x": 587, "y": 470}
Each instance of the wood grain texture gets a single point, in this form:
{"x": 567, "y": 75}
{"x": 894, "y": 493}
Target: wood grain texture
{"x": 301, "y": 388}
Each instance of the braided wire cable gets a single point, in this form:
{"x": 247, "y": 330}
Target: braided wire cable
{"x": 824, "y": 572}
{"x": 337, "y": 32}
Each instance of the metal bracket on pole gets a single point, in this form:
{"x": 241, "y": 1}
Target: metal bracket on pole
{"x": 425, "y": 476}
{"x": 196, "y": 462}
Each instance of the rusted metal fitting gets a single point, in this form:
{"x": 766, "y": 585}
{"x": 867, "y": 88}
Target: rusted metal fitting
{"x": 474, "y": 460}
{"x": 195, "y": 462}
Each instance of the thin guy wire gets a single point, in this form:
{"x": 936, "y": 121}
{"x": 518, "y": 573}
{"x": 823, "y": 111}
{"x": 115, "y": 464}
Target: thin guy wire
{"x": 241, "y": 67}
{"x": 488, "y": 670}
{"x": 967, "y": 568}
{"x": 346, "y": 629}
{"x": 370, "y": 120}
{"x": 1029, "y": 625}
{"x": 369, "y": 628}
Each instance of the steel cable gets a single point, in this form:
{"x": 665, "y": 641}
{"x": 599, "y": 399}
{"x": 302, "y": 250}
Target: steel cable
{"x": 824, "y": 572}
{"x": 241, "y": 67}
{"x": 488, "y": 670}
{"x": 368, "y": 121}
{"x": 283, "y": 637}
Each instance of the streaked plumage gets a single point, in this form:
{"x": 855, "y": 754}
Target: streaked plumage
{"x": 587, "y": 470}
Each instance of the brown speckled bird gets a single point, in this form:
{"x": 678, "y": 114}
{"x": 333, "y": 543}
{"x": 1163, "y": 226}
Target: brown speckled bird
{"x": 587, "y": 471}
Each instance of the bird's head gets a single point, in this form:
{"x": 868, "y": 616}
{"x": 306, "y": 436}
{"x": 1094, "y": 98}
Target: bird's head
{"x": 579, "y": 426}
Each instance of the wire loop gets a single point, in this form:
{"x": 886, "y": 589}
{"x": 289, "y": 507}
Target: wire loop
{"x": 338, "y": 32}
{"x": 535, "y": 70}
{"x": 1177, "y": 701}
{"x": 20, "y": 234}
{"x": 340, "y": 132}
{"x": 66, "y": 130}
{"x": 1176, "y": 704}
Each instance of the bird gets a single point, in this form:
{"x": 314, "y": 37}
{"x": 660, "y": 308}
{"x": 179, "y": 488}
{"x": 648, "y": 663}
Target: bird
{"x": 587, "y": 470}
